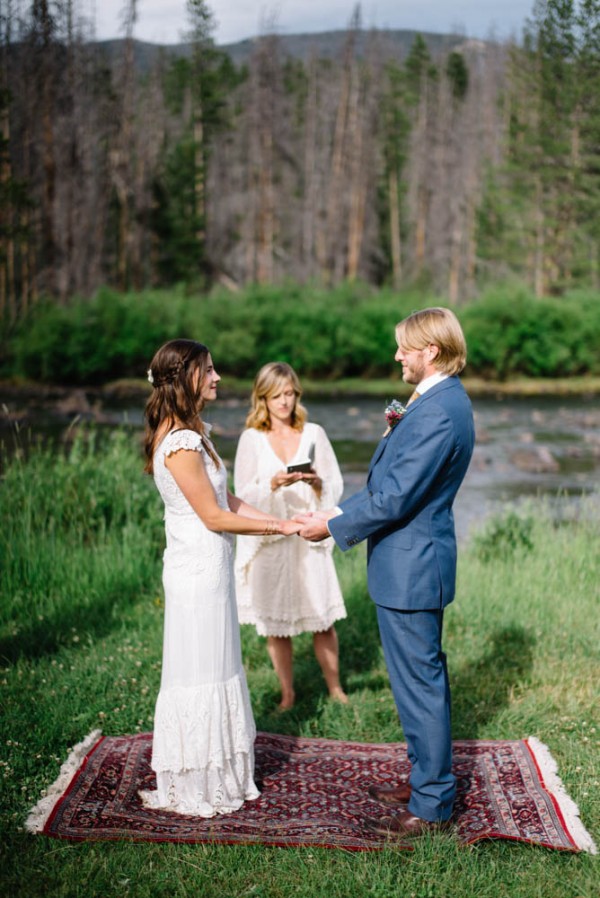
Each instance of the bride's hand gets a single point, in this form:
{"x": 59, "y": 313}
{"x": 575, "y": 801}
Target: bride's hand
{"x": 288, "y": 528}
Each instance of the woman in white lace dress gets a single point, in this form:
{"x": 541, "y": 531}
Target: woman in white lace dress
{"x": 203, "y": 747}
{"x": 287, "y": 587}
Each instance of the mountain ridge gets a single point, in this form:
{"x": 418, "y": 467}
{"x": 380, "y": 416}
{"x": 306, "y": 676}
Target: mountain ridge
{"x": 394, "y": 44}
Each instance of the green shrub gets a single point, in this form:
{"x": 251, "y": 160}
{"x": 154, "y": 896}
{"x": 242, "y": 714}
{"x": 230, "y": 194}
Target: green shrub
{"x": 345, "y": 332}
{"x": 504, "y": 535}
{"x": 511, "y": 333}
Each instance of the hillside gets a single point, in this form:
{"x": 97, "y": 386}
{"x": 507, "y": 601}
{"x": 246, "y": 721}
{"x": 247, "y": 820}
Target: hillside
{"x": 325, "y": 45}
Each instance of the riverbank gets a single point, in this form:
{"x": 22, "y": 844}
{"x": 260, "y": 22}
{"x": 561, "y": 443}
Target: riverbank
{"x": 353, "y": 387}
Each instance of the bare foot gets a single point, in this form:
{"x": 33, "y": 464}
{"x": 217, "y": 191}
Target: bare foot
{"x": 287, "y": 702}
{"x": 338, "y": 695}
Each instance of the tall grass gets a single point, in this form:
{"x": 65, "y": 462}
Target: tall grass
{"x": 80, "y": 640}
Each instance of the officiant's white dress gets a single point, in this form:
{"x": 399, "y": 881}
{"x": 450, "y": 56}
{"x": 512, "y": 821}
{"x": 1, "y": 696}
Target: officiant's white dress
{"x": 286, "y": 586}
{"x": 203, "y": 748}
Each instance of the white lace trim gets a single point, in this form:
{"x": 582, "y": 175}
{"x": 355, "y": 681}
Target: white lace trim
{"x": 204, "y": 793}
{"x": 199, "y": 726}
{"x": 268, "y": 626}
{"x": 180, "y": 439}
{"x": 549, "y": 775}
{"x": 39, "y": 815}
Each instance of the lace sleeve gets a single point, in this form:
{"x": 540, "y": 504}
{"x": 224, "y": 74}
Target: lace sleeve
{"x": 326, "y": 466}
{"x": 182, "y": 439}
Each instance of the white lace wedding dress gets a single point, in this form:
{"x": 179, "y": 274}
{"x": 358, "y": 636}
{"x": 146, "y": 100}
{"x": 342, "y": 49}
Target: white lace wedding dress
{"x": 203, "y": 748}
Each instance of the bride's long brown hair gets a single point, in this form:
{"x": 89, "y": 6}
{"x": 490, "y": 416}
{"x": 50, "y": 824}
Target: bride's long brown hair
{"x": 174, "y": 396}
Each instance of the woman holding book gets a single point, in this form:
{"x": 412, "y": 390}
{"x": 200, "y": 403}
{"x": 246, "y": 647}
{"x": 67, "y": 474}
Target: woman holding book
{"x": 285, "y": 465}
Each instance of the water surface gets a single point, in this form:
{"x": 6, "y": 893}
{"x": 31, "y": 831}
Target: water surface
{"x": 525, "y": 447}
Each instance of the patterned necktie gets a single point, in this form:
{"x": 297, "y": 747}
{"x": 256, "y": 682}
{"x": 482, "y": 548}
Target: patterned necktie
{"x": 414, "y": 395}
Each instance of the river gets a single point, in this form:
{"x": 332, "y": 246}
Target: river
{"x": 525, "y": 447}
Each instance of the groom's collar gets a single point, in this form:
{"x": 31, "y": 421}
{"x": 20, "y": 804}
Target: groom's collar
{"x": 432, "y": 381}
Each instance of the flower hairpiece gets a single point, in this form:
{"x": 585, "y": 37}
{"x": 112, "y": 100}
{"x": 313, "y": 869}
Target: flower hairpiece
{"x": 394, "y": 412}
{"x": 150, "y": 376}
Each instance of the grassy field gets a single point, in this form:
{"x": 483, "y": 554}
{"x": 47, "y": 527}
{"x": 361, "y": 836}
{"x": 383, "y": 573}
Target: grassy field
{"x": 80, "y": 641}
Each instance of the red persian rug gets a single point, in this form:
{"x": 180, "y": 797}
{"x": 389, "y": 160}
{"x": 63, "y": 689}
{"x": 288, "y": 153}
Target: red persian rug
{"x": 313, "y": 793}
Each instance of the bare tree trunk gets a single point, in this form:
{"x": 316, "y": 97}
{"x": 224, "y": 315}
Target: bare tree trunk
{"x": 309, "y": 210}
{"x": 46, "y": 86}
{"x": 539, "y": 284}
{"x": 471, "y": 260}
{"x": 420, "y": 147}
{"x": 357, "y": 189}
{"x": 333, "y": 261}
{"x": 120, "y": 156}
{"x": 199, "y": 189}
{"x": 266, "y": 214}
{"x": 395, "y": 238}
{"x": 421, "y": 228}
{"x": 455, "y": 262}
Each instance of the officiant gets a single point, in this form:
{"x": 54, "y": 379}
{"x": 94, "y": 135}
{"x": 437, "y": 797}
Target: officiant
{"x": 286, "y": 465}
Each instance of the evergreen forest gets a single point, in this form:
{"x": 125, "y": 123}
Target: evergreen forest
{"x": 452, "y": 164}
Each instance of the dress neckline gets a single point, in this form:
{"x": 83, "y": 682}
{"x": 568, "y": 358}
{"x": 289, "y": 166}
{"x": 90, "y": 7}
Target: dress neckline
{"x": 265, "y": 434}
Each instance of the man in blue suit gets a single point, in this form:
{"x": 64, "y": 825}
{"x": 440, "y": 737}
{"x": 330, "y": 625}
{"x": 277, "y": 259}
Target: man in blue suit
{"x": 405, "y": 513}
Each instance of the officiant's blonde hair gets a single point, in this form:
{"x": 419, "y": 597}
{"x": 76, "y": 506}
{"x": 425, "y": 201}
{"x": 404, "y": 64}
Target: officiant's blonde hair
{"x": 439, "y": 326}
{"x": 270, "y": 380}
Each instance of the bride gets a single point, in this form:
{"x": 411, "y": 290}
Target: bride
{"x": 203, "y": 746}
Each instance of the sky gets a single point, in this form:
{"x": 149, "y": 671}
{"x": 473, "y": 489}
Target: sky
{"x": 165, "y": 21}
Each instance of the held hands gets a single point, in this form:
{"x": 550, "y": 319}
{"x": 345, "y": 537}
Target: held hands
{"x": 288, "y": 528}
{"x": 314, "y": 525}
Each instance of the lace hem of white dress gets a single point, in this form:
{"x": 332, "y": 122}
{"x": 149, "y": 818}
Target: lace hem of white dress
{"x": 199, "y": 726}
{"x": 266, "y": 626}
{"x": 206, "y": 792}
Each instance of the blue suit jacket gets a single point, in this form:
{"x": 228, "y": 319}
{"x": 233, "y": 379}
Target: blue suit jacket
{"x": 405, "y": 510}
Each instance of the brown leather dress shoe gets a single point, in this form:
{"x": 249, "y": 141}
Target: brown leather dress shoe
{"x": 392, "y": 795}
{"x": 404, "y": 825}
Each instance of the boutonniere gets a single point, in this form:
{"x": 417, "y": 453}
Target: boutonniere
{"x": 394, "y": 412}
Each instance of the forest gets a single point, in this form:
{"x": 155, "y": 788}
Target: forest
{"x": 452, "y": 165}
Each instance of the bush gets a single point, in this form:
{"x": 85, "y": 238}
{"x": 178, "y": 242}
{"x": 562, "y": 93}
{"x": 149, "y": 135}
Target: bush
{"x": 346, "y": 332}
{"x": 503, "y": 536}
{"x": 515, "y": 334}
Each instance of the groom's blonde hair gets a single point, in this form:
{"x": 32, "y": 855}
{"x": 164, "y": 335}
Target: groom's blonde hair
{"x": 440, "y": 327}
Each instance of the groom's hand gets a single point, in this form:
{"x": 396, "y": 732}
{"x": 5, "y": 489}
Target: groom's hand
{"x": 314, "y": 525}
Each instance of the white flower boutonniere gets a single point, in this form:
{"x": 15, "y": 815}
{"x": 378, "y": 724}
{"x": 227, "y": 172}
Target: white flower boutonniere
{"x": 394, "y": 412}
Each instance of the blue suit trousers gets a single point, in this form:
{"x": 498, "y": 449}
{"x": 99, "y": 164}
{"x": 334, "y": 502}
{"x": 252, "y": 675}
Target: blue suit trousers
{"x": 412, "y": 645}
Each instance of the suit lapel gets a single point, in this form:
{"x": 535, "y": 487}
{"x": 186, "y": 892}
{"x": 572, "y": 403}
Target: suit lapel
{"x": 433, "y": 391}
{"x": 378, "y": 451}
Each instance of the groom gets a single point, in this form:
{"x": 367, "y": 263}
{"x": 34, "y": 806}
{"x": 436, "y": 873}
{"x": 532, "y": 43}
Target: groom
{"x": 405, "y": 513}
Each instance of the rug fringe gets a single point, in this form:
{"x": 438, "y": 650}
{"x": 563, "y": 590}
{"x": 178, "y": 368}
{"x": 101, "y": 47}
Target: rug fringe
{"x": 38, "y": 815}
{"x": 569, "y": 810}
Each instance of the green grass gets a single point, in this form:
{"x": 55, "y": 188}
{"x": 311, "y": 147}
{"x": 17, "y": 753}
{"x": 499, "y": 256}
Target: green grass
{"x": 80, "y": 643}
